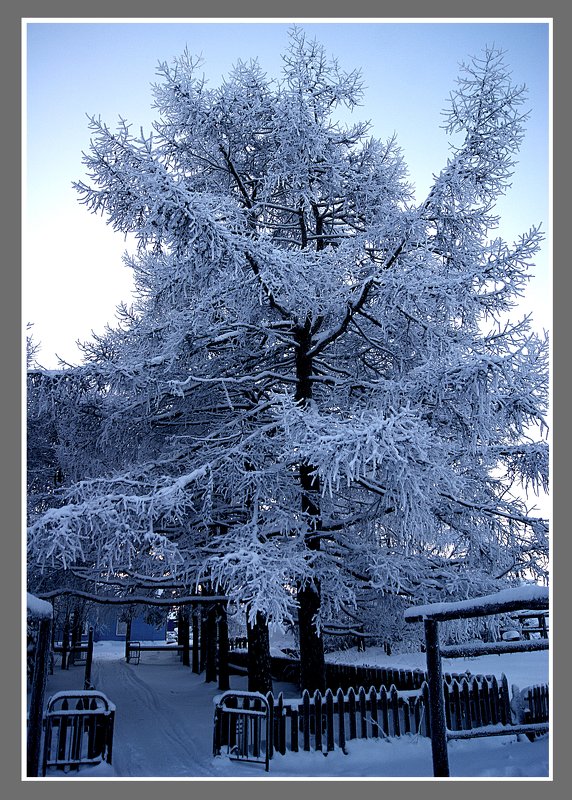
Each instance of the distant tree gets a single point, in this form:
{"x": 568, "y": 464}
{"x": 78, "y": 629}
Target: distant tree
{"x": 317, "y": 389}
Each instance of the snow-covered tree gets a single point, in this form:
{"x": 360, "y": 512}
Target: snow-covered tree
{"x": 319, "y": 386}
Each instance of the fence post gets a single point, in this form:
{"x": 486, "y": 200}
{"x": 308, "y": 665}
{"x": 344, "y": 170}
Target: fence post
{"x": 127, "y": 638}
{"x": 39, "y": 677}
{"x": 436, "y": 704}
{"x": 88, "y": 661}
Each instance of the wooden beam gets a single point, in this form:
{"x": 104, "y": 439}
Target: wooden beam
{"x": 500, "y": 603}
{"x": 436, "y": 701}
{"x": 472, "y": 649}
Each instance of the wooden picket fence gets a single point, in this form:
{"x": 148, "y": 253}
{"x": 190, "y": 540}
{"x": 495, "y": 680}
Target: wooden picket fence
{"x": 476, "y": 701}
{"x": 329, "y": 721}
{"x": 346, "y": 676}
{"x": 338, "y": 676}
{"x": 536, "y": 703}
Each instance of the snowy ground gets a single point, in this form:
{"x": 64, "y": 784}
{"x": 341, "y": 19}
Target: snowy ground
{"x": 164, "y": 725}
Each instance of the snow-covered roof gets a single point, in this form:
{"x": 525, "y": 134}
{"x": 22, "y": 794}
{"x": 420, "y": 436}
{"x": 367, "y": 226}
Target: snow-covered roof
{"x": 523, "y": 597}
{"x": 38, "y": 608}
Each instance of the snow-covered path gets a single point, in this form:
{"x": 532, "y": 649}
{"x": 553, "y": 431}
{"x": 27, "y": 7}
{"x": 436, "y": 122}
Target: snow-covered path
{"x": 157, "y": 721}
{"x": 164, "y": 717}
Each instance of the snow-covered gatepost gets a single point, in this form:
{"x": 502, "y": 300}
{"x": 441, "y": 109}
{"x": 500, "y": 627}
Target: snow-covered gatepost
{"x": 43, "y": 612}
{"x": 503, "y": 602}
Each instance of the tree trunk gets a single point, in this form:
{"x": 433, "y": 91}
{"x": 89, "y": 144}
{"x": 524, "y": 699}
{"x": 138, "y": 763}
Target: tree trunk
{"x": 183, "y": 635}
{"x": 203, "y": 640}
{"x": 312, "y": 664}
{"x": 88, "y": 661}
{"x": 77, "y": 626}
{"x": 223, "y": 670}
{"x": 65, "y": 643}
{"x": 196, "y": 634}
{"x": 210, "y": 645}
{"x": 259, "y": 663}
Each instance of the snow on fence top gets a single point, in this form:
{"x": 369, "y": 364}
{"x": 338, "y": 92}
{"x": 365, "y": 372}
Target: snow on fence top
{"x": 524, "y": 597}
{"x": 39, "y": 609}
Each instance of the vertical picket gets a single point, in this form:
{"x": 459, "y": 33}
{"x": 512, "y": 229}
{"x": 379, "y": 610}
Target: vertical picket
{"x": 476, "y": 714}
{"x": 417, "y": 708}
{"x": 406, "y": 711}
{"x": 495, "y": 700}
{"x": 63, "y": 733}
{"x": 294, "y": 729}
{"x": 271, "y": 740}
{"x": 329, "y": 699}
{"x": 447, "y": 702}
{"x": 362, "y": 713}
{"x": 384, "y": 710}
{"x": 466, "y": 704}
{"x": 306, "y": 718}
{"x": 456, "y": 710}
{"x": 341, "y": 721}
{"x": 394, "y": 705}
{"x": 318, "y": 717}
{"x": 373, "y": 712}
{"x": 426, "y": 714}
{"x": 280, "y": 725}
{"x": 505, "y": 701}
{"x": 352, "y": 712}
{"x": 486, "y": 702}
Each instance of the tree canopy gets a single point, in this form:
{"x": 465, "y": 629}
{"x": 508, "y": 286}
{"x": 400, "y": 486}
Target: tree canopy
{"x": 320, "y": 388}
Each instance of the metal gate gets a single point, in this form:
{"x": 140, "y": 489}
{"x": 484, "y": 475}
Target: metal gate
{"x": 242, "y": 726}
{"x": 78, "y": 730}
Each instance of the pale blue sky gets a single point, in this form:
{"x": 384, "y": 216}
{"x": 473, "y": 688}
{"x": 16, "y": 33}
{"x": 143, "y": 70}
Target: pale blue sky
{"x": 73, "y": 276}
